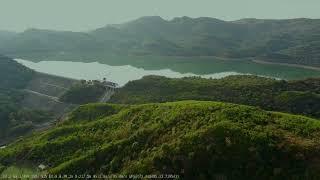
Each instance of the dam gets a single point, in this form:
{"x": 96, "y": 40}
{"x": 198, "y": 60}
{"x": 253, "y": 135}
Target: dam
{"x": 44, "y": 91}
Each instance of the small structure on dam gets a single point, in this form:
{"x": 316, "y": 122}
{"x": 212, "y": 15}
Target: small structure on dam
{"x": 111, "y": 87}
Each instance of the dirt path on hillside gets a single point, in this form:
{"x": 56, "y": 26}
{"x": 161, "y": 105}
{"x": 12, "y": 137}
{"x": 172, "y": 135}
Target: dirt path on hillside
{"x": 44, "y": 95}
{"x": 287, "y": 64}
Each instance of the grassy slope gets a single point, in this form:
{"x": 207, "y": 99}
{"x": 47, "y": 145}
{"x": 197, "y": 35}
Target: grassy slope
{"x": 19, "y": 171}
{"x": 198, "y": 140}
{"x": 299, "y": 97}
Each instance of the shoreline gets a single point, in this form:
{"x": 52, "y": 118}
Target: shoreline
{"x": 287, "y": 64}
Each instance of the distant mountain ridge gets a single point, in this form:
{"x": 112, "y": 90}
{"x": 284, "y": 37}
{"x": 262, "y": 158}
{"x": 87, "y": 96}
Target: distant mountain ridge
{"x": 295, "y": 41}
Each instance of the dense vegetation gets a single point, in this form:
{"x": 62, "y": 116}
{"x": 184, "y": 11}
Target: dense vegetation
{"x": 12, "y": 74}
{"x": 196, "y": 140}
{"x": 8, "y": 103}
{"x": 287, "y": 41}
{"x": 12, "y": 77}
{"x": 14, "y": 120}
{"x": 84, "y": 92}
{"x": 299, "y": 97}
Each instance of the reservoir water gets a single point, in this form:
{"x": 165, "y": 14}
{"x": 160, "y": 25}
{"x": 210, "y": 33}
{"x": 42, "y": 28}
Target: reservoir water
{"x": 95, "y": 70}
{"x": 121, "y": 71}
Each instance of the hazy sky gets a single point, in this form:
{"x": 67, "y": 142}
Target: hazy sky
{"x": 81, "y": 15}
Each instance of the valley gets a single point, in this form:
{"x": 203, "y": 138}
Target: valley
{"x": 146, "y": 107}
{"x": 154, "y": 118}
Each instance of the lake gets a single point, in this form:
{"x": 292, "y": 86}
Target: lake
{"x": 117, "y": 74}
{"x": 124, "y": 69}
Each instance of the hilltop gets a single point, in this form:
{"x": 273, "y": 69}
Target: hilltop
{"x": 195, "y": 140}
{"x": 293, "y": 41}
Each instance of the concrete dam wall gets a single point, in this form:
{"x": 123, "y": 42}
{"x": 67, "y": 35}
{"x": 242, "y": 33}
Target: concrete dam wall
{"x": 43, "y": 92}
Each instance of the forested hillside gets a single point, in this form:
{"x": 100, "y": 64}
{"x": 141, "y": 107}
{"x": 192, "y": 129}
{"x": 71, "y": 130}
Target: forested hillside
{"x": 14, "y": 120}
{"x": 294, "y": 41}
{"x": 194, "y": 140}
{"x": 13, "y": 74}
{"x": 298, "y": 97}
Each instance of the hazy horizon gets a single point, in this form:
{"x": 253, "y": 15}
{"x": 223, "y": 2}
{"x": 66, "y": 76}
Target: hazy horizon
{"x": 84, "y": 15}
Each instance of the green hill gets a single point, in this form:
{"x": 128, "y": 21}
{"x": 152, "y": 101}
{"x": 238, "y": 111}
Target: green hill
{"x": 298, "y": 97}
{"x": 192, "y": 139}
{"x": 293, "y": 41}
